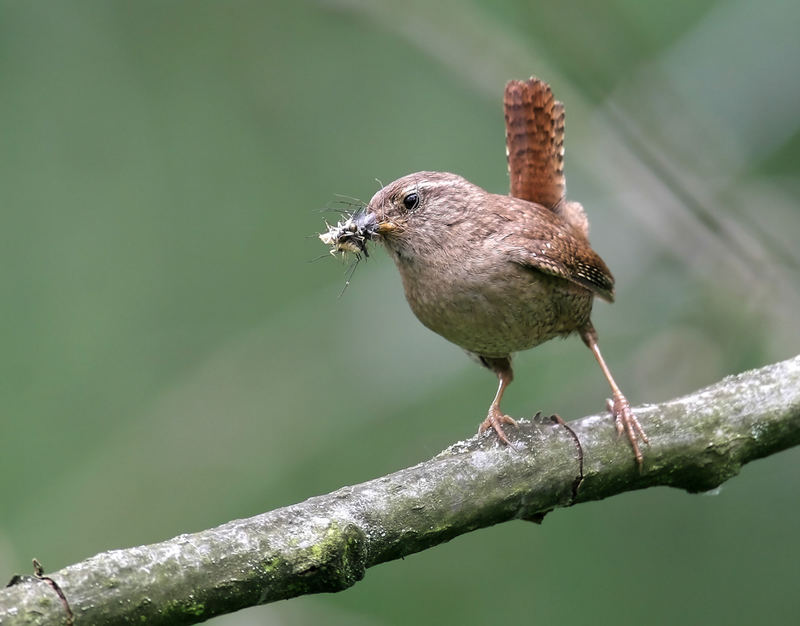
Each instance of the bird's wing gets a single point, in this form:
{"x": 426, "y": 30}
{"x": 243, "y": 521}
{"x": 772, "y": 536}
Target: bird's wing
{"x": 543, "y": 242}
{"x": 587, "y": 270}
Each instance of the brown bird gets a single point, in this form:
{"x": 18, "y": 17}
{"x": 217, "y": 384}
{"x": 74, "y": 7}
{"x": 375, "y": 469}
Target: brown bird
{"x": 497, "y": 274}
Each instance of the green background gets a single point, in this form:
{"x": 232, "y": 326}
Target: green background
{"x": 171, "y": 359}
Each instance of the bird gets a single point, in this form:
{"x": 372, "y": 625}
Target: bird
{"x": 497, "y": 274}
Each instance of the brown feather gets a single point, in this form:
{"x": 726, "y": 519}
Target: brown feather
{"x": 540, "y": 239}
{"x": 535, "y": 142}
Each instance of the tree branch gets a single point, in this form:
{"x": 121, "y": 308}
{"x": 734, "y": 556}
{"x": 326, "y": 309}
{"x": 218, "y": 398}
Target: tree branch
{"x": 327, "y": 542}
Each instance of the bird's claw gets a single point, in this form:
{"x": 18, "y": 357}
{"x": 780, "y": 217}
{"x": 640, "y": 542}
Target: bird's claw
{"x": 626, "y": 422}
{"x": 495, "y": 419}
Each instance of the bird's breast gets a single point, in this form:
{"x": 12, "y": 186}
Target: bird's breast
{"x": 492, "y": 309}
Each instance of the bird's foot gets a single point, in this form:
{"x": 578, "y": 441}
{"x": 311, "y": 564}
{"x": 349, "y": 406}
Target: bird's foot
{"x": 495, "y": 419}
{"x": 626, "y": 422}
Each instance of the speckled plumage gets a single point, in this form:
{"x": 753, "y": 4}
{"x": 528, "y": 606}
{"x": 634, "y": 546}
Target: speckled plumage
{"x": 534, "y": 142}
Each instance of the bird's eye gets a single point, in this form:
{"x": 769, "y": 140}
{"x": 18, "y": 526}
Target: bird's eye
{"x": 411, "y": 201}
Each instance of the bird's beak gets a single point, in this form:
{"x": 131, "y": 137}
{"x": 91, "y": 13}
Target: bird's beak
{"x": 385, "y": 227}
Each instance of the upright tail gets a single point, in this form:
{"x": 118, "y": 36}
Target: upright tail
{"x": 535, "y": 142}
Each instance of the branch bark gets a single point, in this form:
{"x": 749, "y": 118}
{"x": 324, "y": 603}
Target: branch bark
{"x": 327, "y": 542}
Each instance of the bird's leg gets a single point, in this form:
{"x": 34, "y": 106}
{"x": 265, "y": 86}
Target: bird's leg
{"x": 618, "y": 405}
{"x": 496, "y": 418}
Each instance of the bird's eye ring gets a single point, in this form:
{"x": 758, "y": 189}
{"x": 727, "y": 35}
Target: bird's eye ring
{"x": 411, "y": 201}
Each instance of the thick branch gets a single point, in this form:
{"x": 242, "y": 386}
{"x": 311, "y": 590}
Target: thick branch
{"x": 327, "y": 542}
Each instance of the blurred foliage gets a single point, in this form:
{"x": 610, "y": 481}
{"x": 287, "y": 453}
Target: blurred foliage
{"x": 171, "y": 359}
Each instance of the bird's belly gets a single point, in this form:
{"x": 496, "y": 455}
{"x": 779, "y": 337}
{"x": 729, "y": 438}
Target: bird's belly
{"x": 494, "y": 320}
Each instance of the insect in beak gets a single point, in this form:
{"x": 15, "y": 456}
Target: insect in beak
{"x": 352, "y": 234}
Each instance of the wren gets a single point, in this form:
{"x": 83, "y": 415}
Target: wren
{"x": 491, "y": 273}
